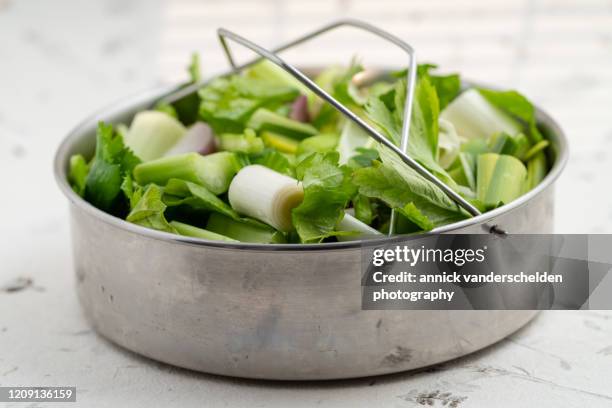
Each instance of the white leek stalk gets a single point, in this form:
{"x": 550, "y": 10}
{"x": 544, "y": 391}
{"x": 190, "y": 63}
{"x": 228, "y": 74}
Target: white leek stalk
{"x": 265, "y": 195}
{"x": 352, "y": 224}
{"x": 153, "y": 133}
{"x": 448, "y": 143}
{"x": 475, "y": 117}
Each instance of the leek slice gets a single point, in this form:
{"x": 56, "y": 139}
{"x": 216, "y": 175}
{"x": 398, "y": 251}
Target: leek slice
{"x": 265, "y": 195}
{"x": 153, "y": 133}
{"x": 501, "y": 179}
{"x": 475, "y": 117}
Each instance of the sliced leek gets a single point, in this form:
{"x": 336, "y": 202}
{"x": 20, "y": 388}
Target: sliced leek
{"x": 500, "y": 180}
{"x": 265, "y": 195}
{"x": 475, "y": 117}
{"x": 153, "y": 133}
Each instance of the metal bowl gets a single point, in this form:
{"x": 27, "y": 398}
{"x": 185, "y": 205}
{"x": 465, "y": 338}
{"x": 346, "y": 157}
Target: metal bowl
{"x": 286, "y": 312}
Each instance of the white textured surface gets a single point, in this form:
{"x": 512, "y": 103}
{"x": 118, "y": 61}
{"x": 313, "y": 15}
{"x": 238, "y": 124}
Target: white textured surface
{"x": 61, "y": 60}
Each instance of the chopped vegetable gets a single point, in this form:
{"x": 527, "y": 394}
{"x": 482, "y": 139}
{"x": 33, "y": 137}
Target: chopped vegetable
{"x": 257, "y": 157}
{"x": 279, "y": 142}
{"x": 153, "y": 133}
{"x": 266, "y": 120}
{"x": 265, "y": 195}
{"x": 501, "y": 179}
{"x": 244, "y": 230}
{"x": 198, "y": 138}
{"x": 247, "y": 142}
{"x": 191, "y": 231}
{"x": 475, "y": 117}
{"x": 358, "y": 229}
{"x": 214, "y": 171}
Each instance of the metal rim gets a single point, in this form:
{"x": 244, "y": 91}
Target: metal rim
{"x": 61, "y": 159}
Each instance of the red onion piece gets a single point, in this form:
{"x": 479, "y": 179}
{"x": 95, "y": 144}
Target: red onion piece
{"x": 199, "y": 138}
{"x": 299, "y": 109}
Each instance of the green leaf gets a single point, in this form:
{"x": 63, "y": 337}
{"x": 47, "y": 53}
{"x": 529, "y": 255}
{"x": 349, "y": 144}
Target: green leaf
{"x": 517, "y": 106}
{"x": 364, "y": 211}
{"x": 274, "y": 160}
{"x": 398, "y": 185}
{"x": 77, "y": 173}
{"x": 447, "y": 86}
{"x": 181, "y": 192}
{"x": 149, "y": 211}
{"x": 423, "y": 138}
{"x": 112, "y": 161}
{"x": 327, "y": 190}
{"x": 228, "y": 103}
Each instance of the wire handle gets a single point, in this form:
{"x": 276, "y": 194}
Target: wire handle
{"x": 224, "y": 35}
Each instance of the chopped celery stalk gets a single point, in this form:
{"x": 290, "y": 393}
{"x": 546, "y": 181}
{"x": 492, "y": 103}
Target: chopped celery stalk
{"x": 279, "y": 142}
{"x": 246, "y": 143}
{"x": 465, "y": 172}
{"x": 191, "y": 231}
{"x": 500, "y": 179}
{"x": 265, "y": 195}
{"x": 352, "y": 137}
{"x": 475, "y": 117}
{"x": 153, "y": 133}
{"x": 244, "y": 230}
{"x": 320, "y": 143}
{"x": 503, "y": 143}
{"x": 537, "y": 167}
{"x": 199, "y": 138}
{"x": 537, "y": 148}
{"x": 214, "y": 171}
{"x": 448, "y": 143}
{"x": 264, "y": 119}
{"x": 360, "y": 230}
{"x": 475, "y": 146}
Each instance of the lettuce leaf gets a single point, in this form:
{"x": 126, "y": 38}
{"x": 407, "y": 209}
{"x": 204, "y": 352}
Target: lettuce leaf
{"x": 327, "y": 190}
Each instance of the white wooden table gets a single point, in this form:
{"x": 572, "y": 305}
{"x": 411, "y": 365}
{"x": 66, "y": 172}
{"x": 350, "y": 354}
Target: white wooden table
{"x": 61, "y": 60}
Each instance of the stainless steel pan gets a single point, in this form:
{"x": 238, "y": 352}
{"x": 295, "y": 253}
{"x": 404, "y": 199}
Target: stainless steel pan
{"x": 289, "y": 312}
